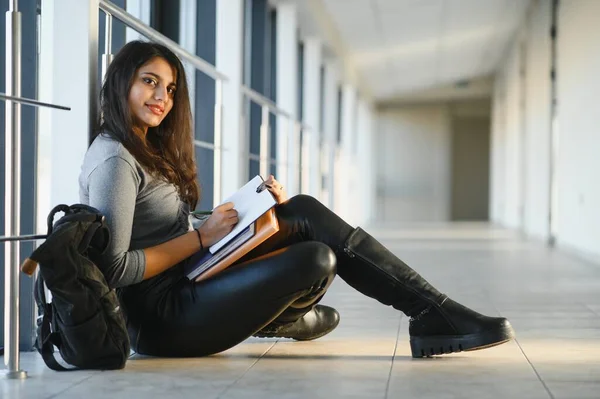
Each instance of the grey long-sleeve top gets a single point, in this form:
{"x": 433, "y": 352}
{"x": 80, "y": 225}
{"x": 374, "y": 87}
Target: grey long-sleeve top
{"x": 141, "y": 211}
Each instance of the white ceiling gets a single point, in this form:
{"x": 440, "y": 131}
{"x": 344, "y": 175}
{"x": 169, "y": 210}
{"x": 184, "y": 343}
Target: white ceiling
{"x": 401, "y": 48}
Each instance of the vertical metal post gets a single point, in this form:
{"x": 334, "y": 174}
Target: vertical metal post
{"x": 332, "y": 176}
{"x": 282, "y": 155}
{"x": 12, "y": 208}
{"x": 290, "y": 186}
{"x": 94, "y": 16}
{"x": 554, "y": 131}
{"x": 323, "y": 169}
{"x": 305, "y": 161}
{"x": 265, "y": 150}
{"x": 107, "y": 56}
{"x": 218, "y": 141}
{"x": 295, "y": 155}
{"x": 319, "y": 165}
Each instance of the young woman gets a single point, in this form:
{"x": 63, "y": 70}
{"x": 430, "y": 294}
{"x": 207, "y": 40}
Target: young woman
{"x": 140, "y": 173}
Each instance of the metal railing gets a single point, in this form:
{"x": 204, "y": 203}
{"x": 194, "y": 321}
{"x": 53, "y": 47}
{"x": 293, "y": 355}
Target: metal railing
{"x": 297, "y": 136}
{"x": 291, "y": 165}
{"x": 12, "y": 208}
{"x": 140, "y": 27}
{"x": 30, "y": 101}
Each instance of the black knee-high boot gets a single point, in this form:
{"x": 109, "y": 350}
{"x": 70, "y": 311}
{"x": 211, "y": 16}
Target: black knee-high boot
{"x": 438, "y": 325}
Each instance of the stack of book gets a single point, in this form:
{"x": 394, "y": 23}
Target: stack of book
{"x": 256, "y": 223}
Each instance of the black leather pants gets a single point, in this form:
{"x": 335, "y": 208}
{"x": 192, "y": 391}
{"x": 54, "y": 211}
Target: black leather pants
{"x": 281, "y": 279}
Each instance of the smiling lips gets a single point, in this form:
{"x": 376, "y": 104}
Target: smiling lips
{"x": 156, "y": 109}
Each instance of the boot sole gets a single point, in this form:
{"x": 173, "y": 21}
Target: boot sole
{"x": 444, "y": 344}
{"x": 291, "y": 336}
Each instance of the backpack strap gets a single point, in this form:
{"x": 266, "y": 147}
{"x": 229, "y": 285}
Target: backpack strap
{"x": 58, "y": 208}
{"x": 45, "y": 345}
{"x": 87, "y": 237}
{"x": 46, "y": 339}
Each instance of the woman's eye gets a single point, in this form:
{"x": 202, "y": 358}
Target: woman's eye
{"x": 150, "y": 81}
{"x": 170, "y": 90}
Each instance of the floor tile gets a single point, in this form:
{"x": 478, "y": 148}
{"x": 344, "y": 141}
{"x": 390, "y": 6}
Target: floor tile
{"x": 41, "y": 382}
{"x": 562, "y": 360}
{"x": 575, "y": 390}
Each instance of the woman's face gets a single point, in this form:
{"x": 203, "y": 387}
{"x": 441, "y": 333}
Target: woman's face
{"x": 151, "y": 95}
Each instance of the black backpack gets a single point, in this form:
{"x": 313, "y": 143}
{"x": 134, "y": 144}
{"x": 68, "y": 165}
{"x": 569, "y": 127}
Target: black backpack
{"x": 84, "y": 320}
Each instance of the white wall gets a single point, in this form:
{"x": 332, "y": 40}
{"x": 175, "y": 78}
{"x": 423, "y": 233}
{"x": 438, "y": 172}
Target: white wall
{"x": 67, "y": 71}
{"x": 330, "y": 113}
{"x": 287, "y": 85}
{"x": 413, "y": 164}
{"x": 364, "y": 182}
{"x": 513, "y": 202}
{"x": 579, "y": 126}
{"x": 518, "y": 117}
{"x": 229, "y": 59}
{"x": 577, "y": 214}
{"x": 537, "y": 122}
{"x": 346, "y": 168}
{"x": 312, "y": 111}
{"x": 497, "y": 152}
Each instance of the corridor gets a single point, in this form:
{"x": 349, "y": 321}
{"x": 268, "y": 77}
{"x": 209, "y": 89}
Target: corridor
{"x": 551, "y": 297}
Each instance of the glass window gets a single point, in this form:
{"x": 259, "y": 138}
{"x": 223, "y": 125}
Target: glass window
{"x": 204, "y": 112}
{"x": 164, "y": 17}
{"x": 261, "y": 20}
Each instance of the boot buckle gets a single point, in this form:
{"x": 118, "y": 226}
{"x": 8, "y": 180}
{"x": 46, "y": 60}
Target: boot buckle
{"x": 420, "y": 315}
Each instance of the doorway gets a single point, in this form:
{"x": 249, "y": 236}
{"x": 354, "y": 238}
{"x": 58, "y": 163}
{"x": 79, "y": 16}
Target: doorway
{"x": 470, "y": 168}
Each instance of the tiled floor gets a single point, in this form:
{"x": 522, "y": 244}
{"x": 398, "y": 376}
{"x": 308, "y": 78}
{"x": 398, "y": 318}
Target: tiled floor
{"x": 551, "y": 298}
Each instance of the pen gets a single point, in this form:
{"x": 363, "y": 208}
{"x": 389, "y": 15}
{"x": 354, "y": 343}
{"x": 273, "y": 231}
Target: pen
{"x": 201, "y": 213}
{"x": 262, "y": 187}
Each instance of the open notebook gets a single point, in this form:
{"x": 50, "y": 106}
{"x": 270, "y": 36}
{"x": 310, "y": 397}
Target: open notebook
{"x": 249, "y": 205}
{"x": 201, "y": 267}
{"x": 256, "y": 223}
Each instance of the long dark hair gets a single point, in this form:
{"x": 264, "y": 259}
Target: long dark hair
{"x": 168, "y": 151}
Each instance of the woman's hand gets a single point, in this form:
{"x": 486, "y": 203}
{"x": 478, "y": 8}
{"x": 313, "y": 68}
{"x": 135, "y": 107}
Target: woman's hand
{"x": 276, "y": 189}
{"x": 219, "y": 224}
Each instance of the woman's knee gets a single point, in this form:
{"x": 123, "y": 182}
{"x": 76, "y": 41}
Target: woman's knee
{"x": 304, "y": 203}
{"x": 317, "y": 260}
